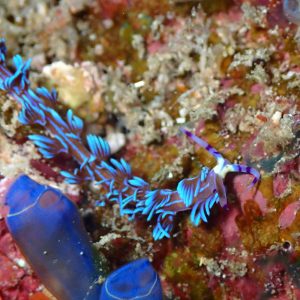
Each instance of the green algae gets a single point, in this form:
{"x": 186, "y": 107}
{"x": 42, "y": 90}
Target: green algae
{"x": 186, "y": 276}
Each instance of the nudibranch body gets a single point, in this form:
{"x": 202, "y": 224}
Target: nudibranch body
{"x": 49, "y": 231}
{"x": 133, "y": 194}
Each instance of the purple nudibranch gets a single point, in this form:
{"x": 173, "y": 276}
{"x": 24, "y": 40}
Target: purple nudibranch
{"x": 49, "y": 231}
{"x": 134, "y": 196}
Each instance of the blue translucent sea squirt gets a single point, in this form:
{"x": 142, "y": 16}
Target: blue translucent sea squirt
{"x": 48, "y": 229}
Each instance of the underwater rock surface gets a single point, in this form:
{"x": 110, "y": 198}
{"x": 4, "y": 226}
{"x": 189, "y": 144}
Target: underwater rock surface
{"x": 229, "y": 70}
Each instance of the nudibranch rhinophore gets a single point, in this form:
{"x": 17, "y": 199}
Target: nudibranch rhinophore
{"x": 49, "y": 231}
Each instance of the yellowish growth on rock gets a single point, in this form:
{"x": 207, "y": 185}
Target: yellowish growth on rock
{"x": 185, "y": 274}
{"x": 205, "y": 241}
{"x": 15, "y": 159}
{"x": 76, "y": 84}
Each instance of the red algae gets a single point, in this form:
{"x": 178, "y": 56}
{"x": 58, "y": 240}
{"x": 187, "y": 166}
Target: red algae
{"x": 288, "y": 215}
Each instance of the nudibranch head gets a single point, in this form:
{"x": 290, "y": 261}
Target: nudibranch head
{"x": 223, "y": 166}
{"x": 215, "y": 179}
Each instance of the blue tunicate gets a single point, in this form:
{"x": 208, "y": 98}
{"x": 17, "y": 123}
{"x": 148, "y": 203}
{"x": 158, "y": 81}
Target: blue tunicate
{"x": 136, "y": 280}
{"x": 291, "y": 9}
{"x": 49, "y": 231}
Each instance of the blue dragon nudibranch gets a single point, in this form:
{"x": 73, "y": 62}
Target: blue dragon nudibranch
{"x": 133, "y": 194}
{"x": 49, "y": 231}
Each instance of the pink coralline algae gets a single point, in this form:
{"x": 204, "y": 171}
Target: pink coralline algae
{"x": 240, "y": 185}
{"x": 288, "y": 215}
{"x": 230, "y": 229}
